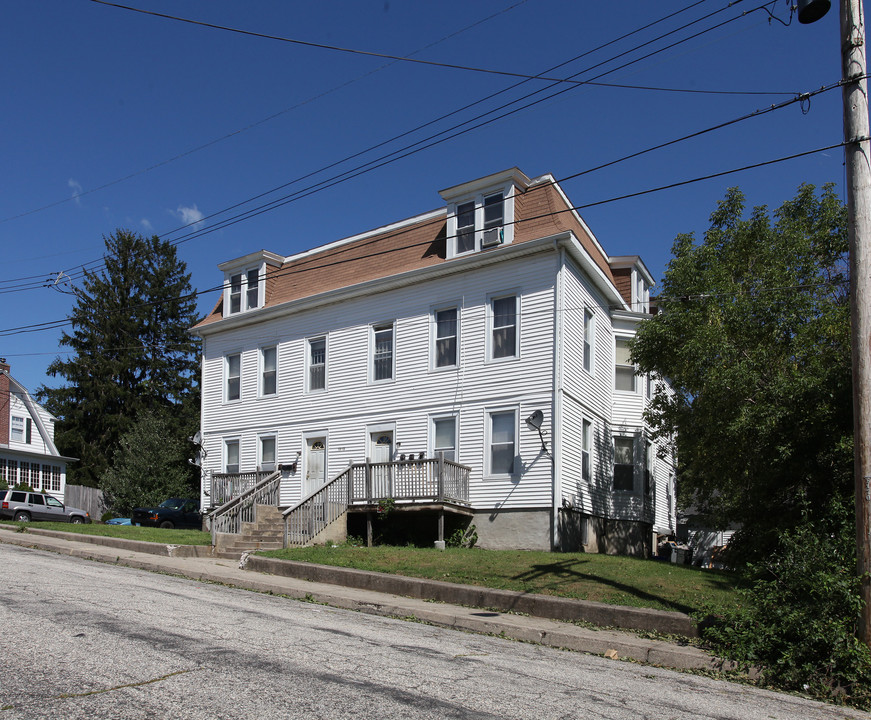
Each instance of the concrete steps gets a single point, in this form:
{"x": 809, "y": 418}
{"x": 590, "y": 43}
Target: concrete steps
{"x": 266, "y": 533}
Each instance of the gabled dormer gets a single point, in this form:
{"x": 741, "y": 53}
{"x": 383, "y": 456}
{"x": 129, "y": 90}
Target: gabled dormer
{"x": 633, "y": 280}
{"x": 245, "y": 281}
{"x": 481, "y": 212}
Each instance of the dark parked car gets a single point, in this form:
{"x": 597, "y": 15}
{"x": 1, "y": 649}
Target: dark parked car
{"x": 25, "y": 506}
{"x": 172, "y": 513}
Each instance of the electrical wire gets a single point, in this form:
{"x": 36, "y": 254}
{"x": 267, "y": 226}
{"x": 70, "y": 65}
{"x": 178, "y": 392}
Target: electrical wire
{"x": 299, "y": 268}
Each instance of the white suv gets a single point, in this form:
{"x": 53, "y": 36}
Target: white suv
{"x": 24, "y": 506}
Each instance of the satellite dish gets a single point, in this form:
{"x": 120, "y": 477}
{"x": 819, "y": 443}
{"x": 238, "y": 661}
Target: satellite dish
{"x": 534, "y": 421}
{"x": 197, "y": 439}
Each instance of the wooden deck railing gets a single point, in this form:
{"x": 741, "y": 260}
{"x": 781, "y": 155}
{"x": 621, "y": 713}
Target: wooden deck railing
{"x": 430, "y": 479}
{"x": 229, "y": 517}
{"x": 226, "y": 486}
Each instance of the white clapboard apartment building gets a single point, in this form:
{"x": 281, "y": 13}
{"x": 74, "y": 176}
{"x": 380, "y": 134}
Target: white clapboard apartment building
{"x": 484, "y": 344}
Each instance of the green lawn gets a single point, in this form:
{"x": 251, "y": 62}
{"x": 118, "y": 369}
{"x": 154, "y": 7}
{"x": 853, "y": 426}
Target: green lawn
{"x": 603, "y": 578}
{"x": 129, "y": 532}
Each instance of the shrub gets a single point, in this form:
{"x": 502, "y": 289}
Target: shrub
{"x": 799, "y": 614}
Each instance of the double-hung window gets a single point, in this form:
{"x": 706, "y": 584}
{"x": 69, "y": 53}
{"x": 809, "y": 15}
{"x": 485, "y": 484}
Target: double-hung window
{"x": 234, "y": 377}
{"x": 465, "y": 228}
{"x": 588, "y": 341}
{"x": 586, "y": 450}
{"x": 267, "y": 453}
{"x": 17, "y": 429}
{"x": 624, "y": 464}
{"x": 445, "y": 337}
{"x": 317, "y": 364}
{"x": 382, "y": 352}
{"x": 231, "y": 456}
{"x": 502, "y": 433}
{"x": 269, "y": 370}
{"x": 244, "y": 290}
{"x": 444, "y": 430}
{"x": 503, "y": 321}
{"x": 624, "y": 370}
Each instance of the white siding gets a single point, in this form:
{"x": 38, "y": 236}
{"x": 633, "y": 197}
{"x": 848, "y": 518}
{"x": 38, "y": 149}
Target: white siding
{"x": 416, "y": 392}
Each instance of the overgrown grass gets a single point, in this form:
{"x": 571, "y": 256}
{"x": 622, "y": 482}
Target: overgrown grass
{"x": 129, "y": 532}
{"x": 602, "y": 578}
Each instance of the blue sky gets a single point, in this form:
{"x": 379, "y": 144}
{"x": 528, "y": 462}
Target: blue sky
{"x": 116, "y": 119}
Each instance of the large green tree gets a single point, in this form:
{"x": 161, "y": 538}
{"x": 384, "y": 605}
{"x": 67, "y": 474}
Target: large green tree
{"x": 131, "y": 353}
{"x": 753, "y": 336}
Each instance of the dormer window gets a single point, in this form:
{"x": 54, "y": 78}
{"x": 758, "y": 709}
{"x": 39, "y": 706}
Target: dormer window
{"x": 245, "y": 281}
{"x": 481, "y": 213}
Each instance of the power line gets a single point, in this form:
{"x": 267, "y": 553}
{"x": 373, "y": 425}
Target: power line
{"x": 297, "y": 269}
{"x": 413, "y": 148}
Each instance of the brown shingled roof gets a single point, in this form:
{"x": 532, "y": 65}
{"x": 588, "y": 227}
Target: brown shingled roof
{"x": 539, "y": 211}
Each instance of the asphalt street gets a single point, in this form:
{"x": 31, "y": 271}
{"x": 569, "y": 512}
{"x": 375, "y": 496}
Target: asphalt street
{"x": 83, "y": 639}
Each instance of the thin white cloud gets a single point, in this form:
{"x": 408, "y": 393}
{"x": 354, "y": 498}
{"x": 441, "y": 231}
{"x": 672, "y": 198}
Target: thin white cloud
{"x": 146, "y": 225}
{"x": 189, "y": 215}
{"x": 77, "y": 190}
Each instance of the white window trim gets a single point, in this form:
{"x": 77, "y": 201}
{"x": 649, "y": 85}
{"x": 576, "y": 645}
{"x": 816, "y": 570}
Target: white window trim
{"x": 433, "y": 337}
{"x": 640, "y": 299}
{"x": 432, "y": 433}
{"x": 636, "y": 378}
{"x": 226, "y": 388}
{"x": 489, "y": 339}
{"x": 261, "y": 369}
{"x": 588, "y": 312}
{"x": 488, "y": 432}
{"x": 243, "y": 300}
{"x": 13, "y": 429}
{"x": 508, "y": 191}
{"x": 260, "y": 438}
{"x": 308, "y": 365}
{"x": 634, "y": 440}
{"x": 592, "y": 428}
{"x": 372, "y": 329}
{"x": 225, "y": 441}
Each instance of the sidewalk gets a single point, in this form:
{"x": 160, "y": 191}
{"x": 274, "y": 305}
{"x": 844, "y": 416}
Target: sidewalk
{"x": 253, "y": 574}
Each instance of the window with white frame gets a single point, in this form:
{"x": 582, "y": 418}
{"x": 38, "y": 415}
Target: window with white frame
{"x": 9, "y": 472}
{"x": 231, "y": 456}
{"x": 648, "y": 466}
{"x": 267, "y": 453}
{"x": 444, "y": 434}
{"x": 624, "y": 370}
{"x": 502, "y": 432}
{"x": 503, "y": 327}
{"x": 624, "y": 464}
{"x": 233, "y": 370}
{"x": 16, "y": 432}
{"x": 586, "y": 450}
{"x": 269, "y": 370}
{"x": 465, "y": 239}
{"x": 382, "y": 352}
{"x": 445, "y": 345}
{"x": 244, "y": 290}
{"x": 642, "y": 294}
{"x": 589, "y": 330}
{"x": 481, "y": 222}
{"x": 317, "y": 364}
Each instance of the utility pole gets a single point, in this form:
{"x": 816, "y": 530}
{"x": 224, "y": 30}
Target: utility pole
{"x": 858, "y": 161}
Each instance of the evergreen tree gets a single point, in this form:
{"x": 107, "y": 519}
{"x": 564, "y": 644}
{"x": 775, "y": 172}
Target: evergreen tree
{"x": 131, "y": 353}
{"x": 754, "y": 336}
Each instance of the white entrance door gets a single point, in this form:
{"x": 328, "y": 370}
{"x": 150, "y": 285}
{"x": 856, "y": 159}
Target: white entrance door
{"x": 381, "y": 451}
{"x": 315, "y": 463}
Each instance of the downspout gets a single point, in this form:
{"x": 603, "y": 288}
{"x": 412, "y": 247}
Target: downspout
{"x": 556, "y": 402}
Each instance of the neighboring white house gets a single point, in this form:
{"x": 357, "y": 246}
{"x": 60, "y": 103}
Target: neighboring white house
{"x": 444, "y": 333}
{"x": 27, "y": 451}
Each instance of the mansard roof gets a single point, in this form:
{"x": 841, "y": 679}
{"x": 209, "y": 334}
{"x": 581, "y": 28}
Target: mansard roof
{"x": 541, "y": 210}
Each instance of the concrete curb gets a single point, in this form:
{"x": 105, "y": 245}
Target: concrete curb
{"x": 142, "y": 546}
{"x": 545, "y": 606}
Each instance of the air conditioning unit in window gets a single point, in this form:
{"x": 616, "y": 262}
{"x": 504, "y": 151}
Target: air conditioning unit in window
{"x": 492, "y": 237}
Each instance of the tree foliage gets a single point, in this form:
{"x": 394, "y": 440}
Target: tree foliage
{"x": 147, "y": 467}
{"x": 131, "y": 352}
{"x": 754, "y": 339}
